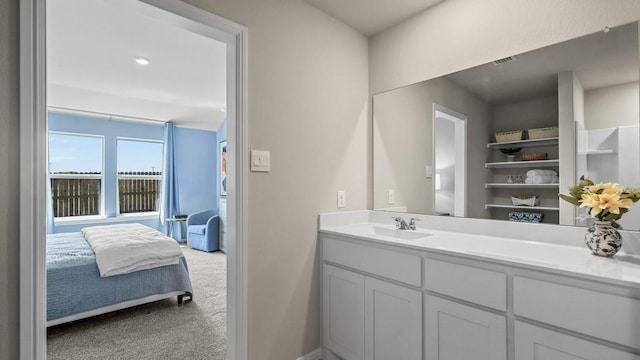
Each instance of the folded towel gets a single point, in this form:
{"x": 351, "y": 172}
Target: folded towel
{"x": 523, "y": 216}
{"x": 542, "y": 179}
{"x": 535, "y": 172}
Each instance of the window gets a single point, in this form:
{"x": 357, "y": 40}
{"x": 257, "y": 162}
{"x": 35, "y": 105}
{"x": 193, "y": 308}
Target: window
{"x": 75, "y": 169}
{"x": 139, "y": 176}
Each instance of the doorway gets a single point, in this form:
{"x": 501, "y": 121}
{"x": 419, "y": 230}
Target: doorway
{"x": 33, "y": 131}
{"x": 449, "y": 161}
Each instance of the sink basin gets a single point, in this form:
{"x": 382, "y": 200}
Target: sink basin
{"x": 398, "y": 234}
{"x": 388, "y": 232}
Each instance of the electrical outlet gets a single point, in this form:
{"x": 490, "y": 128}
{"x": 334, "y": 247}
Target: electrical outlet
{"x": 392, "y": 197}
{"x": 342, "y": 199}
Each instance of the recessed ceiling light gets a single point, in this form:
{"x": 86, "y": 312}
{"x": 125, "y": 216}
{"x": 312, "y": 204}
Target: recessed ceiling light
{"x": 142, "y": 61}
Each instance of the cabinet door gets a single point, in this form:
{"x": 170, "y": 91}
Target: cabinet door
{"x": 343, "y": 312}
{"x": 454, "y": 331}
{"x": 536, "y": 343}
{"x": 393, "y": 321}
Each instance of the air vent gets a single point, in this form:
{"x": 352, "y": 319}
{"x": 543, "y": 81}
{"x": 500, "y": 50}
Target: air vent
{"x": 505, "y": 60}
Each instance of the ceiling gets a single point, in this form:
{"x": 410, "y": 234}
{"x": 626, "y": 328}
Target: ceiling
{"x": 370, "y": 17}
{"x": 599, "y": 60}
{"x": 91, "y": 45}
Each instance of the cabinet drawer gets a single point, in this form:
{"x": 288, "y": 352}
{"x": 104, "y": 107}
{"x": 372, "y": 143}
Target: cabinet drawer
{"x": 480, "y": 286}
{"x": 606, "y": 316}
{"x": 389, "y": 264}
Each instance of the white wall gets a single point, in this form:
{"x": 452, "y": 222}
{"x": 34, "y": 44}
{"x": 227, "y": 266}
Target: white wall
{"x": 9, "y": 202}
{"x": 612, "y": 106}
{"x": 308, "y": 86}
{"x": 458, "y": 34}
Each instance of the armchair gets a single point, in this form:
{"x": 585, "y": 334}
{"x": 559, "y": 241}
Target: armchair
{"x": 203, "y": 230}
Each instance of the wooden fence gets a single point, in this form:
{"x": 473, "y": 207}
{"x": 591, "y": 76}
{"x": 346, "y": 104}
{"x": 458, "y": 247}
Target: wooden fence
{"x": 139, "y": 192}
{"x": 79, "y": 194}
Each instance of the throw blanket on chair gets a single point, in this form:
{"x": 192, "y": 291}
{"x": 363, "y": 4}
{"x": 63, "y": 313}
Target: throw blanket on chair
{"x": 125, "y": 248}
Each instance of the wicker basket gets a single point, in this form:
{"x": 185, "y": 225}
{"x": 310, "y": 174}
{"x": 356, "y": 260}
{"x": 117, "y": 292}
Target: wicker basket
{"x": 533, "y": 157}
{"x": 525, "y": 200}
{"x": 509, "y": 136}
{"x": 542, "y": 133}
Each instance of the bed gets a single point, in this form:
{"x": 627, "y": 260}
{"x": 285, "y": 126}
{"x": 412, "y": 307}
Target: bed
{"x": 76, "y": 290}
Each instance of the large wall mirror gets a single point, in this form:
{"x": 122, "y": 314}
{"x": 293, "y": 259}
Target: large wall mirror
{"x": 562, "y": 111}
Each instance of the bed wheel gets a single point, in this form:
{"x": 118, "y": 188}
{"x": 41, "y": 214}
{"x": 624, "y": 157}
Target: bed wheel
{"x": 181, "y": 298}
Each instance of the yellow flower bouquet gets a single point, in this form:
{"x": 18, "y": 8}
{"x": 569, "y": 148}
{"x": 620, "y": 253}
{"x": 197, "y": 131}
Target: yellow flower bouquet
{"x": 606, "y": 201}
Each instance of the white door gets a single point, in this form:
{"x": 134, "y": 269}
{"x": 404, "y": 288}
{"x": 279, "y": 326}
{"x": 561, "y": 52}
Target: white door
{"x": 455, "y": 332}
{"x": 393, "y": 321}
{"x": 343, "y": 312}
{"x": 536, "y": 343}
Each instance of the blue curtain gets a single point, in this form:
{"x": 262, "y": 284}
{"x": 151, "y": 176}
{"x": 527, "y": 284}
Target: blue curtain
{"x": 169, "y": 195}
{"x": 51, "y": 225}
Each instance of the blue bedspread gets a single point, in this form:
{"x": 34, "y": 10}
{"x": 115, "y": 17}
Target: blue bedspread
{"x": 74, "y": 284}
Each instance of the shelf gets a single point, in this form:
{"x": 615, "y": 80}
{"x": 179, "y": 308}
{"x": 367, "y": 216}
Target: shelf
{"x": 520, "y": 186}
{"x": 523, "y": 143}
{"x": 599, "y": 152}
{"x": 508, "y": 206}
{"x": 523, "y": 164}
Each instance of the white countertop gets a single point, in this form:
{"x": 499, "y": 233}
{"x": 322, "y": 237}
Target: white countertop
{"x": 561, "y": 257}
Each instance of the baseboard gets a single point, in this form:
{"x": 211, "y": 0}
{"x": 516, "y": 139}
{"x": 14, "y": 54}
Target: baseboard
{"x": 314, "y": 355}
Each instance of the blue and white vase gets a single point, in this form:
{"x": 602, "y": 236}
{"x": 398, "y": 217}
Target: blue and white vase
{"x": 603, "y": 239}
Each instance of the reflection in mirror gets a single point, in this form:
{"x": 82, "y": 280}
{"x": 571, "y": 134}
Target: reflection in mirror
{"x": 579, "y": 101}
{"x": 449, "y": 161}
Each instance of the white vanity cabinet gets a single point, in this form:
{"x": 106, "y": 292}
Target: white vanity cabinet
{"x": 343, "y": 312}
{"x": 365, "y": 317}
{"x": 536, "y": 343}
{"x": 381, "y": 300}
{"x": 454, "y": 330}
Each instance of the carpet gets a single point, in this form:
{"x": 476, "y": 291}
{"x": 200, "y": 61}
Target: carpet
{"x": 159, "y": 330}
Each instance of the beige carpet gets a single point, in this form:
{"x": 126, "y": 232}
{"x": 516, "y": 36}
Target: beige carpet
{"x": 160, "y": 330}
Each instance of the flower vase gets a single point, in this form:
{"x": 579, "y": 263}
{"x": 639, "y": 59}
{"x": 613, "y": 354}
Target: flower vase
{"x": 603, "y": 239}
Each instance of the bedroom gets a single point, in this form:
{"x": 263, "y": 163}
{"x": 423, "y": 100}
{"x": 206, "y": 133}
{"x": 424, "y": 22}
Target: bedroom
{"x": 106, "y": 115}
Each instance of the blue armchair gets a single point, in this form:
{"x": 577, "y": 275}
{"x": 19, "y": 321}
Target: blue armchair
{"x": 203, "y": 230}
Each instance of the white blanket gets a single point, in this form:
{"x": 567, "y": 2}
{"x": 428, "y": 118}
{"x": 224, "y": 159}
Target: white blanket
{"x": 125, "y": 248}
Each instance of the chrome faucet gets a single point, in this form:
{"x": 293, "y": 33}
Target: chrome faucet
{"x": 401, "y": 224}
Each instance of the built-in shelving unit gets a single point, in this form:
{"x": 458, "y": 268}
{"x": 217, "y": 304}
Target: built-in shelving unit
{"x": 533, "y": 164}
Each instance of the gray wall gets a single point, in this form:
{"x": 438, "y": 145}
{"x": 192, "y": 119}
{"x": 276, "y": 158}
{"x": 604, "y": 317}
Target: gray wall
{"x": 9, "y": 202}
{"x": 611, "y": 106}
{"x": 403, "y": 127}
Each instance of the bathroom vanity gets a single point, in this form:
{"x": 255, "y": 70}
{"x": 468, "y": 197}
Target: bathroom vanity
{"x": 517, "y": 291}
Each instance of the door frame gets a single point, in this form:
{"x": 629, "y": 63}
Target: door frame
{"x": 33, "y": 140}
{"x": 460, "y": 123}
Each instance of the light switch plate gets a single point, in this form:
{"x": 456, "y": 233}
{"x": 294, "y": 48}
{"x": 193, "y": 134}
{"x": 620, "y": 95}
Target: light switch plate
{"x": 342, "y": 199}
{"x": 260, "y": 161}
{"x": 392, "y": 197}
{"x": 429, "y": 171}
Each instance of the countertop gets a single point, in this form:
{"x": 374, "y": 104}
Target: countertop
{"x": 622, "y": 269}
